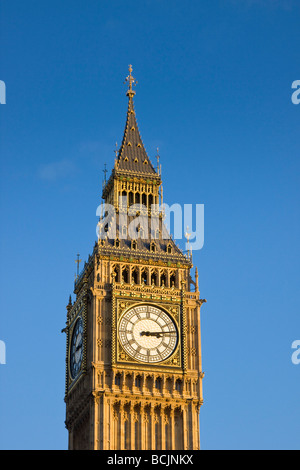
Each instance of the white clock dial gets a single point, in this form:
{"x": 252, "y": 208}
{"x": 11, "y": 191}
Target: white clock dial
{"x": 148, "y": 334}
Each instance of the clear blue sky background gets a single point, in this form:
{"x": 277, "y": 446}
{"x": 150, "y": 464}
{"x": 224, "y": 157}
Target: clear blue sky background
{"x": 214, "y": 94}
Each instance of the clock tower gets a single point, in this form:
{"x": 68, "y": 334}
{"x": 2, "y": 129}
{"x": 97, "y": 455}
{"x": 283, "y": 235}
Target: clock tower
{"x": 133, "y": 344}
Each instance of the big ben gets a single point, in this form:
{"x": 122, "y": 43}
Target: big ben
{"x": 133, "y": 336}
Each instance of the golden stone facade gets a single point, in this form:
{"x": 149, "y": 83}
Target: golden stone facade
{"x": 120, "y": 394}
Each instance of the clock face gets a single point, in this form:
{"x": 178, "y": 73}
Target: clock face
{"x": 76, "y": 351}
{"x": 148, "y": 334}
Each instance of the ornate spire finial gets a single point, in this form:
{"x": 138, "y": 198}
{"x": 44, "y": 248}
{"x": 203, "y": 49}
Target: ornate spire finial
{"x": 116, "y": 154}
{"x": 157, "y": 159}
{"x": 105, "y": 172}
{"x": 196, "y": 280}
{"x": 188, "y": 236}
{"x": 131, "y": 81}
{"x": 77, "y": 261}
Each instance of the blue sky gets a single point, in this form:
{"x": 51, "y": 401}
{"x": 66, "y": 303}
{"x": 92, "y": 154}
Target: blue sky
{"x": 214, "y": 94}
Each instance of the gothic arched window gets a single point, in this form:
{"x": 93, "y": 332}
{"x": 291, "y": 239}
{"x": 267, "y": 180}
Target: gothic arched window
{"x": 124, "y": 199}
{"x": 144, "y": 277}
{"x": 158, "y": 383}
{"x": 178, "y": 385}
{"x": 138, "y": 381}
{"x": 163, "y": 280}
{"x": 173, "y": 280}
{"x": 131, "y": 201}
{"x": 152, "y": 247}
{"x": 134, "y": 276}
{"x": 125, "y": 276}
{"x": 115, "y": 270}
{"x": 141, "y": 232}
{"x": 118, "y": 380}
{"x": 154, "y": 279}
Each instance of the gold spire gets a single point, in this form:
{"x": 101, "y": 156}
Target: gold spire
{"x": 131, "y": 81}
{"x": 132, "y": 156}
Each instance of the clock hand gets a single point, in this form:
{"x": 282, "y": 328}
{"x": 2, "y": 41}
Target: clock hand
{"x": 150, "y": 333}
{"x": 163, "y": 333}
{"x": 167, "y": 332}
{"x": 158, "y": 334}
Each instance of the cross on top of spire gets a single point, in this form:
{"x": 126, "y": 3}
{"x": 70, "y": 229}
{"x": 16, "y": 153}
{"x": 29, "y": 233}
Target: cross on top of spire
{"x": 131, "y": 81}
